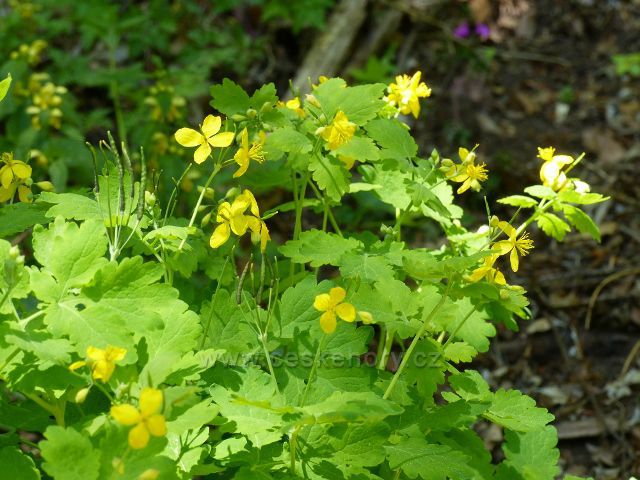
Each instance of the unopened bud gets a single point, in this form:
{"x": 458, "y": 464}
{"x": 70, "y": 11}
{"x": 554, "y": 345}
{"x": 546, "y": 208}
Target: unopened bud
{"x": 238, "y": 118}
{"x": 149, "y": 198}
{"x": 45, "y": 186}
{"x": 206, "y": 219}
{"x": 266, "y": 107}
{"x": 504, "y": 294}
{"x": 14, "y": 252}
{"x": 81, "y": 396}
{"x": 312, "y": 100}
{"x": 232, "y": 192}
{"x": 251, "y": 113}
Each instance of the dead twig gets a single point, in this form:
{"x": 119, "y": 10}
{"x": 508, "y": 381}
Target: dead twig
{"x": 611, "y": 278}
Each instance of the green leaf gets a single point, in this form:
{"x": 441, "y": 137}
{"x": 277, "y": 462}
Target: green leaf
{"x": 365, "y": 266}
{"x": 473, "y": 329}
{"x": 360, "y": 104}
{"x": 286, "y": 140}
{"x": 553, "y": 226}
{"x": 392, "y": 181}
{"x": 265, "y": 94}
{"x": 393, "y": 137}
{"x": 540, "y": 191}
{"x": 519, "y": 201}
{"x": 18, "y": 217}
{"x": 295, "y": 310}
{"x": 330, "y": 175}
{"x": 581, "y": 221}
{"x": 4, "y": 86}
{"x": 572, "y": 196}
{"x": 360, "y": 148}
{"x": 69, "y": 455}
{"x": 417, "y": 458}
{"x": 17, "y": 465}
{"x": 229, "y": 98}
{"x": 530, "y": 456}
{"x": 69, "y": 253}
{"x": 71, "y": 206}
{"x": 459, "y": 352}
{"x": 351, "y": 407}
{"x": 516, "y": 411}
{"x": 319, "y": 248}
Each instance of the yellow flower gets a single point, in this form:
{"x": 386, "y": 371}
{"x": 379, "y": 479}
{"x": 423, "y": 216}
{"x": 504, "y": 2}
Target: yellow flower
{"x": 24, "y": 192}
{"x": 551, "y": 172}
{"x": 247, "y": 153}
{"x": 467, "y": 172}
{"x": 293, "y": 104}
{"x": 406, "y": 92}
{"x": 146, "y": 418}
{"x": 102, "y": 362}
{"x": 488, "y": 271}
{"x": 332, "y": 304}
{"x": 206, "y": 138}
{"x": 348, "y": 162}
{"x": 514, "y": 245}
{"x": 13, "y": 170}
{"x": 234, "y": 218}
{"x": 339, "y": 131}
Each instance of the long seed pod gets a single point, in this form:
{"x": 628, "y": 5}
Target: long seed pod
{"x": 114, "y": 151}
{"x": 143, "y": 185}
{"x": 94, "y": 159}
{"x": 241, "y": 280}
{"x": 129, "y": 167}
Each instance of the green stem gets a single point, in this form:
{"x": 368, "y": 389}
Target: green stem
{"x": 457, "y": 329}
{"x": 5, "y": 296}
{"x": 205, "y": 333}
{"x": 56, "y": 410}
{"x": 314, "y": 367}
{"x": 267, "y": 354}
{"x": 216, "y": 169}
{"x": 414, "y": 342}
{"x": 388, "y": 344}
{"x": 293, "y": 444}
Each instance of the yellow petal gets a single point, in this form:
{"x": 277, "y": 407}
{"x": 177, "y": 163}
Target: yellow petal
{"x": 202, "y": 153}
{"x": 187, "y": 137}
{"x": 95, "y": 354}
{"x": 252, "y": 202}
{"x": 24, "y": 194}
{"x": 244, "y": 139}
{"x": 77, "y": 365}
{"x": 211, "y": 125}
{"x": 239, "y": 224}
{"x": 513, "y": 258}
{"x": 224, "y": 212}
{"x": 115, "y": 354}
{"x": 322, "y": 302}
{"x": 125, "y": 414}
{"x": 21, "y": 170}
{"x": 499, "y": 278}
{"x": 337, "y": 294}
{"x": 102, "y": 370}
{"x": 503, "y": 246}
{"x": 220, "y": 235}
{"x": 465, "y": 186}
{"x": 507, "y": 228}
{"x": 156, "y": 425}
{"x": 346, "y": 312}
{"x": 328, "y": 322}
{"x": 150, "y": 401}
{"x": 6, "y": 176}
{"x": 242, "y": 158}
{"x": 149, "y": 474}
{"x": 264, "y": 237}
{"x": 138, "y": 436}
{"x": 220, "y": 140}
{"x": 7, "y": 193}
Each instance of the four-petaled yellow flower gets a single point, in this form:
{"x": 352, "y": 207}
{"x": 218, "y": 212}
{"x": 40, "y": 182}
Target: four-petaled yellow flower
{"x": 339, "y": 132}
{"x": 102, "y": 362}
{"x": 406, "y": 92}
{"x": 206, "y": 138}
{"x": 332, "y": 304}
{"x": 513, "y": 244}
{"x": 235, "y": 218}
{"x": 246, "y": 153}
{"x": 14, "y": 175}
{"x": 467, "y": 172}
{"x": 488, "y": 272}
{"x": 293, "y": 104}
{"x": 146, "y": 418}
{"x": 551, "y": 172}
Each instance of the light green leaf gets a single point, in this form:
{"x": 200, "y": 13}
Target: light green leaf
{"x": 71, "y": 206}
{"x": 530, "y": 456}
{"x": 360, "y": 148}
{"x": 393, "y": 137}
{"x": 69, "y": 455}
{"x": 330, "y": 175}
{"x": 581, "y": 221}
{"x": 417, "y": 458}
{"x": 319, "y": 248}
{"x": 295, "y": 310}
{"x": 229, "y": 98}
{"x": 572, "y": 196}
{"x": 459, "y": 352}
{"x": 519, "y": 201}
{"x": 17, "y": 217}
{"x": 553, "y": 226}
{"x": 474, "y": 329}
{"x": 4, "y": 86}
{"x": 540, "y": 191}
{"x": 516, "y": 411}
{"x": 287, "y": 140}
{"x": 365, "y": 266}
{"x": 360, "y": 104}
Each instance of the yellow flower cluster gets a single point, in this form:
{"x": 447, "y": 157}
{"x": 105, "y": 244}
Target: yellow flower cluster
{"x": 238, "y": 217}
{"x": 405, "y": 94}
{"x": 146, "y": 418}
{"x": 553, "y": 171}
{"x": 165, "y": 105}
{"x": 338, "y": 132}
{"x": 467, "y": 172}
{"x": 46, "y": 98}
{"x": 31, "y": 53}
{"x": 332, "y": 305}
{"x": 208, "y": 136}
{"x": 23, "y": 8}
{"x": 15, "y": 175}
{"x": 102, "y": 362}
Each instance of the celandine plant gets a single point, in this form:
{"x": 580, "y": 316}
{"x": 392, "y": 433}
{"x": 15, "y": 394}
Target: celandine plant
{"x": 140, "y": 345}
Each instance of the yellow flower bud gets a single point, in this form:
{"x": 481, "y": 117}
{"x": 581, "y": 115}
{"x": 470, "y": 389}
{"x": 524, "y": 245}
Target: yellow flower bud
{"x": 81, "y": 396}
